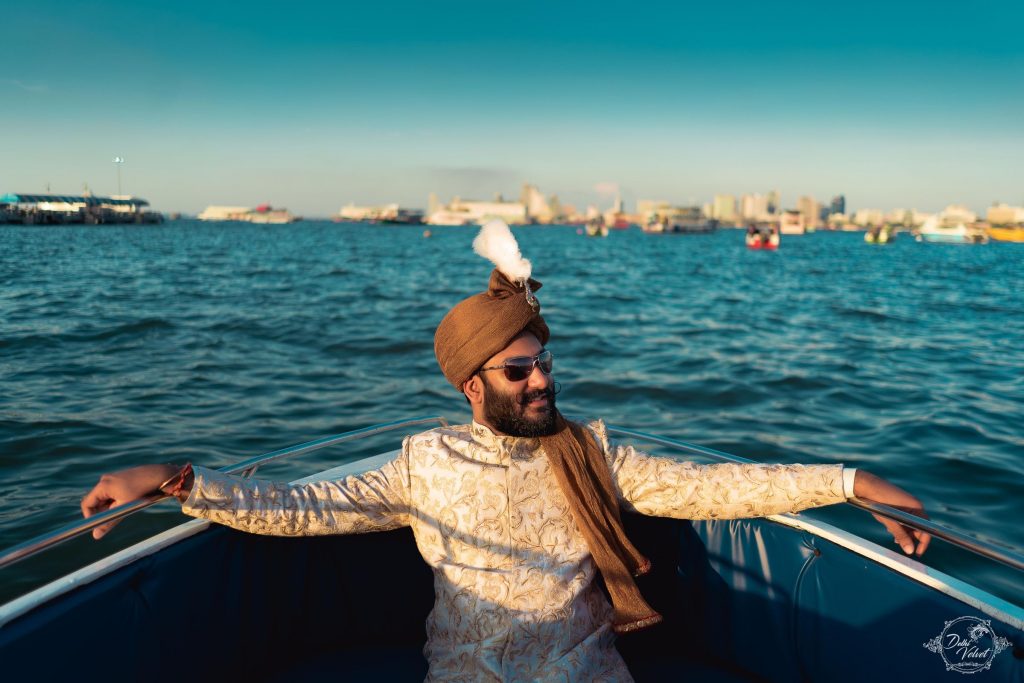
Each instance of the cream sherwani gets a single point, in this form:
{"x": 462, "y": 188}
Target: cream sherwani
{"x": 515, "y": 596}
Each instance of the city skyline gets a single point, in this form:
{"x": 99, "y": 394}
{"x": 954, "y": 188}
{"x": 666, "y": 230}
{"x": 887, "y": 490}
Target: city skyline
{"x": 315, "y": 107}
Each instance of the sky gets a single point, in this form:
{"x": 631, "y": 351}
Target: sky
{"x": 311, "y": 106}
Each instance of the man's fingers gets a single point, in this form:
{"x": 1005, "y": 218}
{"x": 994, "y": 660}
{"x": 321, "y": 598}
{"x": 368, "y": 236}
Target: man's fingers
{"x": 94, "y": 502}
{"x": 923, "y": 539}
{"x": 102, "y": 530}
{"x": 902, "y": 536}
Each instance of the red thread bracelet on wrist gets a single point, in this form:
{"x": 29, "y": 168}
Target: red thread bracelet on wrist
{"x": 177, "y": 481}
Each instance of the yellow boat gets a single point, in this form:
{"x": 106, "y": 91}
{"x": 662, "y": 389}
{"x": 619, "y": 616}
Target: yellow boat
{"x": 1007, "y": 234}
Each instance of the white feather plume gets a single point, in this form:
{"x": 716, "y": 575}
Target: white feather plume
{"x": 496, "y": 243}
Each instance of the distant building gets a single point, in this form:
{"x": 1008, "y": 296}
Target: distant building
{"x": 537, "y": 207}
{"x": 808, "y": 208}
{"x": 908, "y": 218}
{"x": 1002, "y": 214}
{"x": 868, "y": 218}
{"x": 724, "y": 208}
{"x": 839, "y": 221}
{"x": 837, "y": 205}
{"x": 754, "y": 207}
{"x": 957, "y": 213}
{"x": 558, "y": 213}
{"x": 653, "y": 209}
{"x": 773, "y": 202}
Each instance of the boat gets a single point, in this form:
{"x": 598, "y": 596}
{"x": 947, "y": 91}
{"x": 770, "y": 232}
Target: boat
{"x": 880, "y": 235}
{"x": 760, "y": 239}
{"x": 782, "y": 598}
{"x": 690, "y": 222}
{"x": 1007, "y": 234}
{"x": 949, "y": 232}
{"x": 263, "y": 214}
{"x": 596, "y": 227}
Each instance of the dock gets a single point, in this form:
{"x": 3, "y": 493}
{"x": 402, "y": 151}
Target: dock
{"x": 87, "y": 209}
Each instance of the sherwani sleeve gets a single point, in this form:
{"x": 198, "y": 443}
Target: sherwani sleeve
{"x": 665, "y": 487}
{"x": 373, "y": 501}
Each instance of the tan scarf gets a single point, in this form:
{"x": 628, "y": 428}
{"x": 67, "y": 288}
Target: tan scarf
{"x": 582, "y": 473}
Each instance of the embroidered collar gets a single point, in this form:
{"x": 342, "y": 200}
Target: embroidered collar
{"x": 485, "y": 437}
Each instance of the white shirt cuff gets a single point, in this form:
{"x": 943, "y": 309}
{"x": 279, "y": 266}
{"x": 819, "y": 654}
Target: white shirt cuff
{"x": 849, "y": 474}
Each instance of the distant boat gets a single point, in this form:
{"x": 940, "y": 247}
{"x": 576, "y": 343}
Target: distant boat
{"x": 691, "y": 225}
{"x": 264, "y": 213}
{"x": 760, "y": 240}
{"x": 883, "y": 235}
{"x": 1007, "y": 234}
{"x": 949, "y": 232}
{"x": 596, "y": 227}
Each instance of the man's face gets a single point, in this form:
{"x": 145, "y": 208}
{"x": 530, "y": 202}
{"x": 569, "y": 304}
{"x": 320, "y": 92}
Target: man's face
{"x": 523, "y": 408}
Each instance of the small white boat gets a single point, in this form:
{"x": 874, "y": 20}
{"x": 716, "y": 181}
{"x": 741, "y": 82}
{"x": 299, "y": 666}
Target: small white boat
{"x": 949, "y": 232}
{"x": 783, "y": 598}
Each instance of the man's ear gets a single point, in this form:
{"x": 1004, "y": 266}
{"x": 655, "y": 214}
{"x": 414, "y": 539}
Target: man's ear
{"x": 474, "y": 390}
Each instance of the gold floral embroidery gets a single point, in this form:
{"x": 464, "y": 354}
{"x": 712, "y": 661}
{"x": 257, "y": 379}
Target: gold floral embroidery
{"x": 515, "y": 597}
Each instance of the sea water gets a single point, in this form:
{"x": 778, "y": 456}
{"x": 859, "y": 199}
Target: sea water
{"x": 211, "y": 343}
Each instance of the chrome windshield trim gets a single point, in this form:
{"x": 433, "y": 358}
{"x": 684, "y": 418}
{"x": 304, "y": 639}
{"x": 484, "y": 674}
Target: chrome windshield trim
{"x": 988, "y": 550}
{"x": 53, "y": 538}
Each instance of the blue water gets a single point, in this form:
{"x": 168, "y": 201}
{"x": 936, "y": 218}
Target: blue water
{"x": 215, "y": 342}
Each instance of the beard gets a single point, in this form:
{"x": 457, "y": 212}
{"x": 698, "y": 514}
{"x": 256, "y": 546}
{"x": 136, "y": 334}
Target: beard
{"x": 508, "y": 412}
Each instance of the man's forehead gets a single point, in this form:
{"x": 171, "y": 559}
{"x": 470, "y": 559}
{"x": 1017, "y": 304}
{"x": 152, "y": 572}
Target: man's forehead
{"x": 526, "y": 344}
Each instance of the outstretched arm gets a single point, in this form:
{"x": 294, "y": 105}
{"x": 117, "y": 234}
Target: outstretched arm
{"x": 372, "y": 501}
{"x": 669, "y": 488}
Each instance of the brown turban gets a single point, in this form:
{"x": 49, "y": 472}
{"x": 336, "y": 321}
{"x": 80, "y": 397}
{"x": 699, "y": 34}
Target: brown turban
{"x": 485, "y": 323}
{"x": 478, "y": 328}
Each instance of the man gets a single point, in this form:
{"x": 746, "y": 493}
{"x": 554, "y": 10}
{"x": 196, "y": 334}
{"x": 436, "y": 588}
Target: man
{"x": 518, "y": 511}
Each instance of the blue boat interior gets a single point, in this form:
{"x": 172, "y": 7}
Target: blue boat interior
{"x": 743, "y": 600}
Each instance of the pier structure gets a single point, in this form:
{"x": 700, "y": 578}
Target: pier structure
{"x": 87, "y": 209}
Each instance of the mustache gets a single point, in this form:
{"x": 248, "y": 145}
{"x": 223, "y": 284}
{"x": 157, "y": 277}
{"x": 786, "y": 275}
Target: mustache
{"x": 536, "y": 395}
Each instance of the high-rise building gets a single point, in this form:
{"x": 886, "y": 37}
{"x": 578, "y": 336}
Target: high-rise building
{"x": 838, "y": 204}
{"x": 536, "y": 206}
{"x": 557, "y": 212}
{"x": 774, "y": 203}
{"x": 724, "y": 208}
{"x": 808, "y": 208}
{"x": 753, "y": 207}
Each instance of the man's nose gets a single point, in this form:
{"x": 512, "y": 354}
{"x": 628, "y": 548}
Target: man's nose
{"x": 538, "y": 378}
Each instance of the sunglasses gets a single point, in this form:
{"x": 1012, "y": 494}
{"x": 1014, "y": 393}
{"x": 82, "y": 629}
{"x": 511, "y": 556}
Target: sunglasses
{"x": 519, "y": 368}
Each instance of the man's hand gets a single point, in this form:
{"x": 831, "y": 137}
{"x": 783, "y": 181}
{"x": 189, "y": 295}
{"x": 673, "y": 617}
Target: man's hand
{"x": 123, "y": 487}
{"x": 870, "y": 487}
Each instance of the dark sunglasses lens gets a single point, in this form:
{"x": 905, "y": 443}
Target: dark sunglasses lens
{"x": 546, "y": 361}
{"x": 517, "y": 372}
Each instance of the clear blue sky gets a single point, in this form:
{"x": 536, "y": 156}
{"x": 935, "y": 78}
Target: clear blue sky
{"x": 314, "y": 105}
